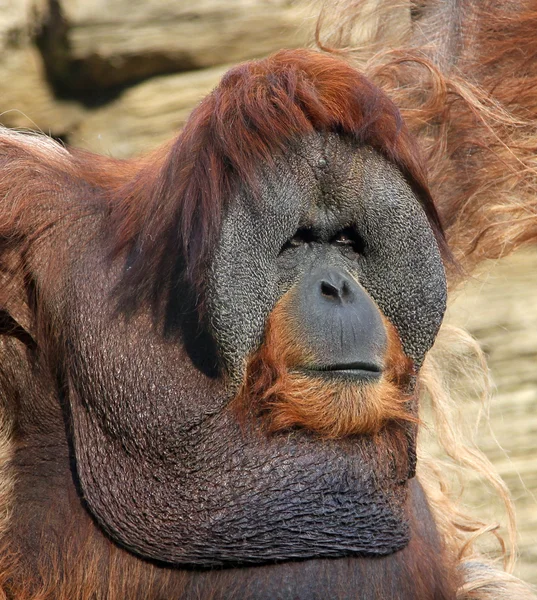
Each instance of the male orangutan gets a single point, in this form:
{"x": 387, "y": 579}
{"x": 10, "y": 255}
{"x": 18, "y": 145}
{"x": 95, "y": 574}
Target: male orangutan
{"x": 210, "y": 357}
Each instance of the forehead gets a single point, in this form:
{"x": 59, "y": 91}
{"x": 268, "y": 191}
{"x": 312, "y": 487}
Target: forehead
{"x": 326, "y": 179}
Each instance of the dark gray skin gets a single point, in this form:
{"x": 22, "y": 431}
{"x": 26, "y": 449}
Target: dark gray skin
{"x": 163, "y": 466}
{"x": 342, "y": 325}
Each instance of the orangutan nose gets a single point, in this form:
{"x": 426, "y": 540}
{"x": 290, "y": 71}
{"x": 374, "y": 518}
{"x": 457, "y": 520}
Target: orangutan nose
{"x": 341, "y": 326}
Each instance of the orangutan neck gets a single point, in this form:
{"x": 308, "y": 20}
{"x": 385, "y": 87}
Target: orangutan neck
{"x": 81, "y": 562}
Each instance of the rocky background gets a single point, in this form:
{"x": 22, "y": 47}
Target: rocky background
{"x": 121, "y": 76}
{"x": 499, "y": 308}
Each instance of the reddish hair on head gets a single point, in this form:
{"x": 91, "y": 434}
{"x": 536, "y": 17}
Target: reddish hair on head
{"x": 258, "y": 108}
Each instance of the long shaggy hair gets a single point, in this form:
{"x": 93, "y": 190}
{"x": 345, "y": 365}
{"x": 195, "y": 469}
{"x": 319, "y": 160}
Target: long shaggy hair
{"x": 464, "y": 80}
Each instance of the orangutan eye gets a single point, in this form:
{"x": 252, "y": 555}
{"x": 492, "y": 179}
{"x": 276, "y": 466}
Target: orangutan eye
{"x": 349, "y": 239}
{"x": 303, "y": 236}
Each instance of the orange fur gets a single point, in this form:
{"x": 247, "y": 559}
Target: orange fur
{"x": 332, "y": 409}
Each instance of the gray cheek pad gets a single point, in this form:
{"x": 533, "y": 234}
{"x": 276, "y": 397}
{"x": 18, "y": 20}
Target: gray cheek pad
{"x": 403, "y": 269}
{"x": 244, "y": 283}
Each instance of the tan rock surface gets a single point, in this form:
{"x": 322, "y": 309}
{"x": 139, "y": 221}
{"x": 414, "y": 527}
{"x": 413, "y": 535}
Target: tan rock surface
{"x": 500, "y": 309}
{"x": 109, "y": 43}
{"x": 26, "y": 99}
{"x": 146, "y": 115}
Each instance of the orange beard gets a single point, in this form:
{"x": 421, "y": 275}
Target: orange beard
{"x": 285, "y": 398}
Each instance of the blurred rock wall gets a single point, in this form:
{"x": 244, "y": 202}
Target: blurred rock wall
{"x": 499, "y": 308}
{"x": 121, "y": 76}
